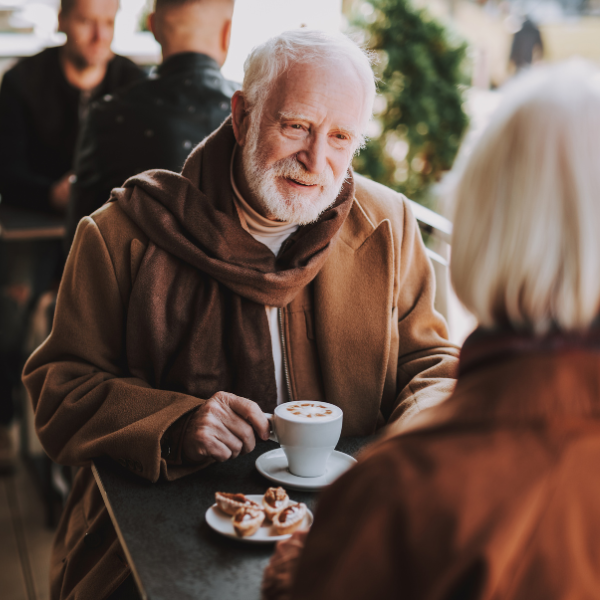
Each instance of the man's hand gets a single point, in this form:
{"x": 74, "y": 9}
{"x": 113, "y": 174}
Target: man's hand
{"x": 59, "y": 193}
{"x": 279, "y": 574}
{"x": 224, "y": 428}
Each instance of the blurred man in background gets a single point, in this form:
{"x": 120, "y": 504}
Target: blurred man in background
{"x": 42, "y": 100}
{"x": 527, "y": 46}
{"x": 155, "y": 123}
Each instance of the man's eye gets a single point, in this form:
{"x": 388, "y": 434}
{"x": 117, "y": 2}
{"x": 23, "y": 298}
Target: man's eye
{"x": 296, "y": 126}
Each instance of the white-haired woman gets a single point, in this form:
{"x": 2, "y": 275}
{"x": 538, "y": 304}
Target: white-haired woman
{"x": 496, "y": 493}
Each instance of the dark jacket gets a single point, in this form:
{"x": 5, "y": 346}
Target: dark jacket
{"x": 494, "y": 495}
{"x": 151, "y": 125}
{"x": 39, "y": 123}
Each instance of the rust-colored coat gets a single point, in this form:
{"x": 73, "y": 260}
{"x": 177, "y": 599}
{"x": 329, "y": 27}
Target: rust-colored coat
{"x": 382, "y": 350}
{"x": 495, "y": 496}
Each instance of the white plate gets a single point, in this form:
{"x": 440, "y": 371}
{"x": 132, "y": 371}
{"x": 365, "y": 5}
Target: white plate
{"x": 222, "y": 524}
{"x": 274, "y": 466}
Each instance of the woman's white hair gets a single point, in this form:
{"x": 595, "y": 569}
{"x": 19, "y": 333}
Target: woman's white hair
{"x": 267, "y": 62}
{"x": 526, "y": 241}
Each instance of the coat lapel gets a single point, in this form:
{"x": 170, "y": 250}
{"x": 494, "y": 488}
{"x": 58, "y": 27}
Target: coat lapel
{"x": 353, "y": 308}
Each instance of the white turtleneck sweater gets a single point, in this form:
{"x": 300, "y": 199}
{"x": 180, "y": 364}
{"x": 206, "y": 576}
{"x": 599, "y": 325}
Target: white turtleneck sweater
{"x": 272, "y": 234}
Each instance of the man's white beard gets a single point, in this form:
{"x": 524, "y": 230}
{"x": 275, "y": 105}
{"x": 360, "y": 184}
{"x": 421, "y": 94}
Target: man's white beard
{"x": 291, "y": 206}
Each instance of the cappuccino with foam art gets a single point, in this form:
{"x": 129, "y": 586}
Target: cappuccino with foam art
{"x": 311, "y": 410}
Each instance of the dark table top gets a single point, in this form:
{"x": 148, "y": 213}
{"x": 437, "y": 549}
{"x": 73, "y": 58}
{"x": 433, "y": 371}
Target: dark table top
{"x": 171, "y": 549}
{"x": 17, "y": 224}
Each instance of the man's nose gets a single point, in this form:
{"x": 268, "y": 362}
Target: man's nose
{"x": 314, "y": 156}
{"x": 103, "y": 33}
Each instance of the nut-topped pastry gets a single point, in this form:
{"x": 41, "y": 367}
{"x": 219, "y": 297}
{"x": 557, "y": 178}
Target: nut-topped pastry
{"x": 289, "y": 519}
{"x": 274, "y": 501}
{"x": 247, "y": 520}
{"x": 231, "y": 503}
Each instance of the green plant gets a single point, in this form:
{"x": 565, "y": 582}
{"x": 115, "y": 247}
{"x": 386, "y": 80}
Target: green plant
{"x": 419, "y": 108}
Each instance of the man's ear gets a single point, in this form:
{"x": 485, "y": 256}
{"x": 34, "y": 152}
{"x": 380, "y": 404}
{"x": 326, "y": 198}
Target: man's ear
{"x": 240, "y": 117}
{"x": 226, "y": 36}
{"x": 151, "y": 22}
{"x": 61, "y": 22}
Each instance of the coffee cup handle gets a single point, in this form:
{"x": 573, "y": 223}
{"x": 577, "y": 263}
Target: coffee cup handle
{"x": 272, "y": 434}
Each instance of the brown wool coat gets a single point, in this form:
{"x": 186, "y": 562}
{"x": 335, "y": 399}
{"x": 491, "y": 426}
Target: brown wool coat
{"x": 383, "y": 355}
{"x": 496, "y": 497}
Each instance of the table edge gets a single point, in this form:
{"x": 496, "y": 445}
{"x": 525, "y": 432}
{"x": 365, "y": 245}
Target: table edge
{"x": 136, "y": 577}
{"x": 10, "y": 235}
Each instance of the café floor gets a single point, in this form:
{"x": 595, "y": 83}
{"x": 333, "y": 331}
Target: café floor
{"x": 25, "y": 541}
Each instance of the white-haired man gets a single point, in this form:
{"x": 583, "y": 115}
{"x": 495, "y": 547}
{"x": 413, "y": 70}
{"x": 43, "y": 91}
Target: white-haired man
{"x": 264, "y": 272}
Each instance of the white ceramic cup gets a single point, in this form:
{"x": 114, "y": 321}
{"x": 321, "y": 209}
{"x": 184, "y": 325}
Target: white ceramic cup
{"x": 307, "y": 441}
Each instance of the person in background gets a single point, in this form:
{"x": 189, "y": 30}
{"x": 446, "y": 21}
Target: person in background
{"x": 494, "y": 493}
{"x": 42, "y": 101}
{"x": 155, "y": 123}
{"x": 527, "y": 46}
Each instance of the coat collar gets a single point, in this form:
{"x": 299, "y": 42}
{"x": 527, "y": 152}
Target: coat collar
{"x": 485, "y": 347}
{"x": 188, "y": 61}
{"x": 510, "y": 379}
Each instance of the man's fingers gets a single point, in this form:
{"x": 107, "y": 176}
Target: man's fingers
{"x": 243, "y": 431}
{"x": 217, "y": 449}
{"x": 231, "y": 441}
{"x": 224, "y": 427}
{"x": 251, "y": 412}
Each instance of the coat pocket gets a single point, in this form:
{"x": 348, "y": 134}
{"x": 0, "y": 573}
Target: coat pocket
{"x": 309, "y": 317}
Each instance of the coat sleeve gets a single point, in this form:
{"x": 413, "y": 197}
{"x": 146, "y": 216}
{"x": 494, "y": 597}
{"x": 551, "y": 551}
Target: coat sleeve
{"x": 427, "y": 361}
{"x": 86, "y": 403}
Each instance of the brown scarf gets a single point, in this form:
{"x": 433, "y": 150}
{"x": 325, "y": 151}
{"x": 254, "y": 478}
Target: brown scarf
{"x": 197, "y": 322}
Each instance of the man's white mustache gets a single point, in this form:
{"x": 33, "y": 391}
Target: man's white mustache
{"x": 291, "y": 168}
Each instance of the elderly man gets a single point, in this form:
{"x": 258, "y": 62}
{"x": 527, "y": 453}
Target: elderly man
{"x": 266, "y": 271}
{"x": 155, "y": 123}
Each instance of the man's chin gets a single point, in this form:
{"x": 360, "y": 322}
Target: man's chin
{"x": 92, "y": 57}
{"x": 301, "y": 210}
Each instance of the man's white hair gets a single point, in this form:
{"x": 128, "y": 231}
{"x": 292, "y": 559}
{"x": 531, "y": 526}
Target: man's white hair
{"x": 526, "y": 241}
{"x": 302, "y": 46}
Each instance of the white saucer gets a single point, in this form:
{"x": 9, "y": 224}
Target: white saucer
{"x": 222, "y": 524}
{"x": 274, "y": 466}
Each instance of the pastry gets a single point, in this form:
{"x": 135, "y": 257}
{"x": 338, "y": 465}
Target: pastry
{"x": 274, "y": 501}
{"x": 231, "y": 503}
{"x": 289, "y": 519}
{"x": 247, "y": 520}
